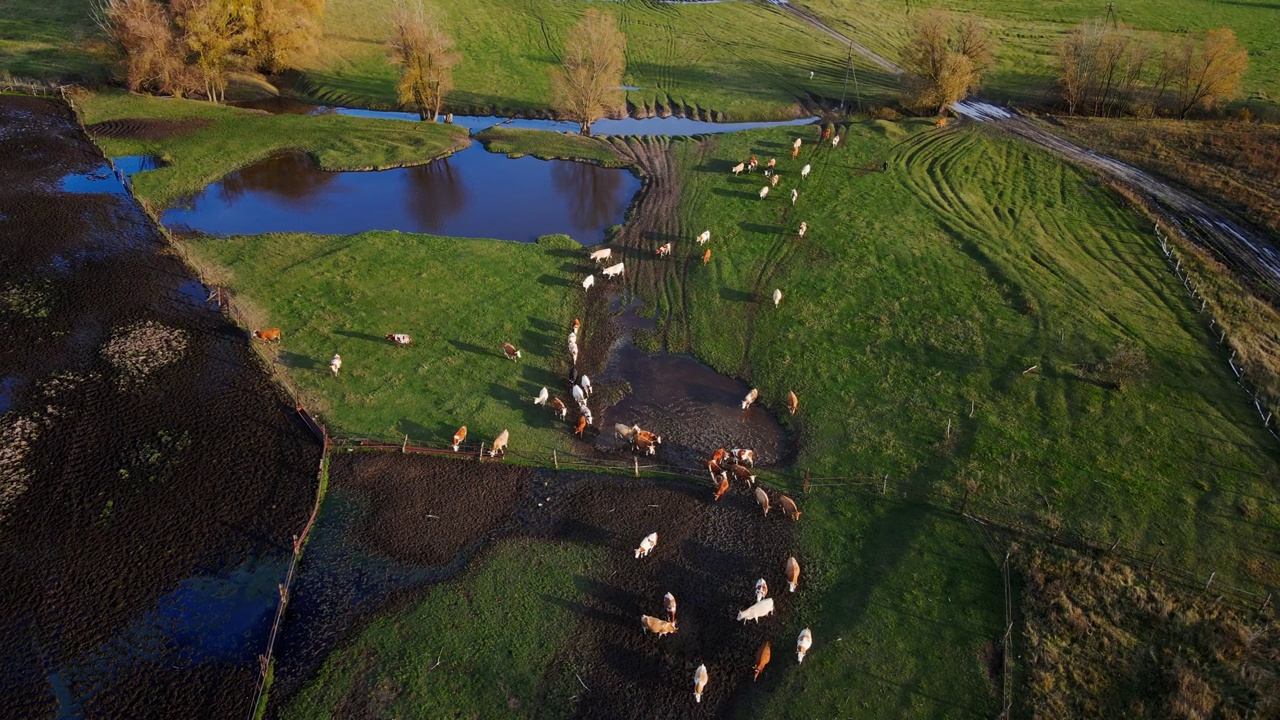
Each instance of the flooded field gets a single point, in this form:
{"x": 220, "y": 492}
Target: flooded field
{"x": 473, "y": 193}
{"x": 151, "y": 475}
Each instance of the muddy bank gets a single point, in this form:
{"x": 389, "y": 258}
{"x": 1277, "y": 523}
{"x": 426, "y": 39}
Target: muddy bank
{"x": 393, "y": 525}
{"x": 151, "y": 476}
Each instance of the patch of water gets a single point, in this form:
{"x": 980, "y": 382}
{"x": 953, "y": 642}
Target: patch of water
{"x": 8, "y": 389}
{"x": 473, "y": 193}
{"x": 102, "y": 179}
{"x": 130, "y": 165}
{"x": 206, "y": 619}
{"x": 629, "y": 87}
{"x": 694, "y": 408}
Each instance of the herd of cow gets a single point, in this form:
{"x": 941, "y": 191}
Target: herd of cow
{"x": 739, "y": 462}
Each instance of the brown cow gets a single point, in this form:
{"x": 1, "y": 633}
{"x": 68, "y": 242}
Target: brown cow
{"x": 724, "y": 485}
{"x": 762, "y": 658}
{"x": 459, "y": 436}
{"x": 269, "y": 335}
{"x": 789, "y": 508}
{"x": 706, "y": 256}
{"x": 582, "y": 425}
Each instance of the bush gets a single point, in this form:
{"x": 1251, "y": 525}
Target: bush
{"x": 559, "y": 242}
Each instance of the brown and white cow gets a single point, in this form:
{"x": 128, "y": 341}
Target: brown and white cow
{"x": 459, "y": 436}
{"x": 268, "y": 335}
{"x": 510, "y": 351}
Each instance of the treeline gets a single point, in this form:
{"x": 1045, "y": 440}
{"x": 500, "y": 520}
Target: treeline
{"x": 1112, "y": 70}
{"x": 189, "y": 47}
{"x": 1101, "y": 69}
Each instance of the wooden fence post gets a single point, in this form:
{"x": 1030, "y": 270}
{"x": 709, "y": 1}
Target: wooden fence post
{"x": 806, "y": 481}
{"x": 554, "y": 460}
{"x": 1210, "y": 582}
{"x": 636, "y": 464}
{"x": 481, "y": 458}
{"x": 404, "y": 446}
{"x": 1265, "y": 603}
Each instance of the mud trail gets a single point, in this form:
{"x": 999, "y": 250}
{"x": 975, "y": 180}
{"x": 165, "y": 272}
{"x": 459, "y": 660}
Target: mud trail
{"x": 150, "y": 468}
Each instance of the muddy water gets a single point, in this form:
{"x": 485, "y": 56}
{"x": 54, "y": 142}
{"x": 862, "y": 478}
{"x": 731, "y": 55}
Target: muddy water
{"x": 694, "y": 408}
{"x": 473, "y": 193}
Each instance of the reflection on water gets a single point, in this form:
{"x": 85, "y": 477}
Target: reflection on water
{"x": 588, "y": 192}
{"x": 473, "y": 193}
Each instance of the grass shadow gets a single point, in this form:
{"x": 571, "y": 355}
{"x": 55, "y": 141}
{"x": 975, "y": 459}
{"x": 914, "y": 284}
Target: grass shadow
{"x": 476, "y": 349}
{"x": 419, "y": 433}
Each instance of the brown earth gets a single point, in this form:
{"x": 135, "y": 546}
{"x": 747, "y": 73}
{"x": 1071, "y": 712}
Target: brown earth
{"x": 131, "y": 485}
{"x": 145, "y": 128}
{"x": 709, "y": 555}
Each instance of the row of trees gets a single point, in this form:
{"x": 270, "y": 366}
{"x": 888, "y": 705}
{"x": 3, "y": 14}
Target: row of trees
{"x": 1113, "y": 70}
{"x": 585, "y": 87}
{"x": 1102, "y": 70}
{"x": 188, "y": 47}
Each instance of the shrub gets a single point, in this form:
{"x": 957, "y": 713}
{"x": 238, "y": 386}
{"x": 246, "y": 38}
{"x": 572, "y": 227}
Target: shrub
{"x": 559, "y": 241}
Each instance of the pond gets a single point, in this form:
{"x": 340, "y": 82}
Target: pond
{"x": 473, "y": 193}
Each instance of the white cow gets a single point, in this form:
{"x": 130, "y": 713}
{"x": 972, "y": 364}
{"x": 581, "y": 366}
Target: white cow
{"x": 542, "y": 398}
{"x": 704, "y": 237}
{"x": 585, "y": 383}
{"x": 500, "y": 444}
{"x": 737, "y": 169}
{"x": 614, "y": 270}
{"x": 764, "y": 192}
{"x": 579, "y": 395}
{"x": 794, "y": 194}
{"x": 601, "y": 255}
{"x": 699, "y": 682}
{"x": 804, "y": 171}
{"x": 588, "y": 282}
{"x": 335, "y": 364}
{"x": 647, "y": 545}
{"x": 803, "y": 227}
{"x": 757, "y": 611}
{"x": 803, "y": 643}
{"x": 777, "y": 297}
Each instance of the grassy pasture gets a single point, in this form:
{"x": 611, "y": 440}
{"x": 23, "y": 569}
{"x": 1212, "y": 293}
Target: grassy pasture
{"x": 1028, "y": 30}
{"x": 224, "y": 139}
{"x": 919, "y": 298}
{"x": 742, "y": 60}
{"x": 50, "y": 40}
{"x": 459, "y": 298}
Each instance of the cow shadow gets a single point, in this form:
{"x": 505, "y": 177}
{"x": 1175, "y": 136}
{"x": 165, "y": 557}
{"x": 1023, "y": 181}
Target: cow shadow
{"x": 758, "y": 228}
{"x": 737, "y": 296}
{"x": 553, "y": 281}
{"x": 543, "y": 325}
{"x": 737, "y": 194}
{"x": 297, "y": 361}
{"x": 418, "y": 432}
{"x": 361, "y": 336}
{"x": 476, "y": 349}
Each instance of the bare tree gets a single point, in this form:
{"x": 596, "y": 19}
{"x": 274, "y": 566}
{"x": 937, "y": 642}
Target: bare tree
{"x": 216, "y": 34}
{"x": 1100, "y": 68}
{"x": 588, "y": 83}
{"x": 944, "y": 59}
{"x": 283, "y": 32}
{"x": 144, "y": 33}
{"x": 424, "y": 53}
{"x": 1205, "y": 71}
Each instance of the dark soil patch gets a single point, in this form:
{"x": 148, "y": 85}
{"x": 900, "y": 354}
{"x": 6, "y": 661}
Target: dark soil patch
{"x": 129, "y": 501}
{"x": 146, "y": 128}
{"x": 709, "y": 555}
{"x": 425, "y": 513}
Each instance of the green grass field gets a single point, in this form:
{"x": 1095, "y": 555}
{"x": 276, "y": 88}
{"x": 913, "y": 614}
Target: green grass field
{"x": 50, "y": 41}
{"x": 743, "y": 60}
{"x": 460, "y": 299}
{"x": 920, "y": 297}
{"x": 1028, "y": 30}
{"x": 225, "y": 139}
